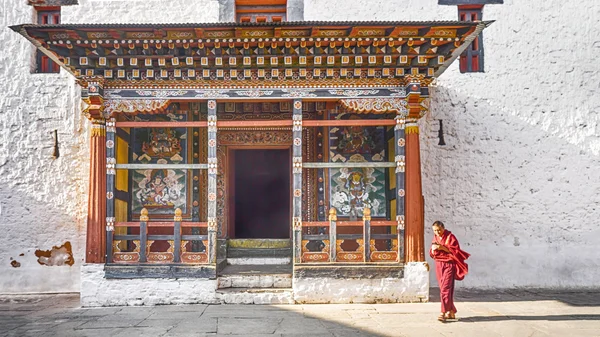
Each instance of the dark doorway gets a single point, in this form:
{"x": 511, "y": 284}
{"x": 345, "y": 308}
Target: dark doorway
{"x": 262, "y": 193}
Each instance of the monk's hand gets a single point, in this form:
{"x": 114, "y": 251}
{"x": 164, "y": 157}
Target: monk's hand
{"x": 435, "y": 247}
{"x": 443, "y": 248}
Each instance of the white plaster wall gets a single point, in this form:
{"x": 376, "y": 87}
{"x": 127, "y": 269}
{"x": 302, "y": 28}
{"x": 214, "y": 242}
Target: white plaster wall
{"x": 142, "y": 11}
{"x": 413, "y": 287}
{"x": 518, "y": 180}
{"x": 43, "y": 201}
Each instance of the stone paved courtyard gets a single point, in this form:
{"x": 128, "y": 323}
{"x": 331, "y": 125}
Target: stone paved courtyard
{"x": 511, "y": 313}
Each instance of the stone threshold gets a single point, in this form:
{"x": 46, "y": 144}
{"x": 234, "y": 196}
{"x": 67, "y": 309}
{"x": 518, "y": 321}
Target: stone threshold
{"x": 350, "y": 270}
{"x": 173, "y": 271}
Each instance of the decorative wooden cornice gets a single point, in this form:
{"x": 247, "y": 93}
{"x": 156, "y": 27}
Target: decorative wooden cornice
{"x": 238, "y": 55}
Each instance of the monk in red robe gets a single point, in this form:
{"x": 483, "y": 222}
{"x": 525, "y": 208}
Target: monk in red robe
{"x": 449, "y": 266}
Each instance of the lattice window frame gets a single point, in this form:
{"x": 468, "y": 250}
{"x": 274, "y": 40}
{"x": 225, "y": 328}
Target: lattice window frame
{"x": 472, "y": 59}
{"x": 46, "y": 16}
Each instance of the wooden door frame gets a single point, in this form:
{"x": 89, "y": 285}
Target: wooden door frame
{"x": 230, "y": 189}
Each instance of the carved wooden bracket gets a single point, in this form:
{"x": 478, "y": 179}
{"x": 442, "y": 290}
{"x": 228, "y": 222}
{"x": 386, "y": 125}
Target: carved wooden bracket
{"x": 376, "y": 105}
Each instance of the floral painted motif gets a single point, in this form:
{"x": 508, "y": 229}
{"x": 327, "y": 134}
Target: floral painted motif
{"x": 376, "y": 105}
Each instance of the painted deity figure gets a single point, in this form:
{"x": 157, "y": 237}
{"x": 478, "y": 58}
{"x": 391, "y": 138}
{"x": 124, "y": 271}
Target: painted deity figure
{"x": 163, "y": 143}
{"x": 159, "y": 189}
{"x": 357, "y": 189}
{"x": 358, "y": 194}
{"x": 356, "y": 139}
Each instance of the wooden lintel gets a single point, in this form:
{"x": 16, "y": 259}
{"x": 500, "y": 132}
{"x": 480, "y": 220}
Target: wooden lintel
{"x": 353, "y": 122}
{"x": 245, "y": 124}
{"x": 161, "y": 124}
{"x": 161, "y": 224}
{"x": 384, "y": 223}
{"x": 161, "y": 166}
{"x": 349, "y": 224}
{"x": 315, "y": 224}
{"x": 349, "y": 164}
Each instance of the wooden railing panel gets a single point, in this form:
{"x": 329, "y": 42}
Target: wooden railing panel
{"x": 177, "y": 251}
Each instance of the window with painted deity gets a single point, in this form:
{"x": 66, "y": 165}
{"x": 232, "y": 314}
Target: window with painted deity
{"x": 161, "y": 190}
{"x": 356, "y": 188}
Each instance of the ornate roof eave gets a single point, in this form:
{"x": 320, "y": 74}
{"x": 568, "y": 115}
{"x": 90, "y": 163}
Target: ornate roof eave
{"x": 342, "y": 54}
{"x": 21, "y": 30}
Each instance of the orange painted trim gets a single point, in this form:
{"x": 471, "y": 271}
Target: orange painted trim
{"x": 161, "y": 124}
{"x": 315, "y": 224}
{"x": 305, "y": 123}
{"x": 364, "y": 122}
{"x": 466, "y": 7}
{"x": 384, "y": 223}
{"x": 161, "y": 224}
{"x": 262, "y": 10}
{"x": 260, "y": 2}
{"x": 350, "y": 224}
{"x": 245, "y": 124}
{"x": 194, "y": 224}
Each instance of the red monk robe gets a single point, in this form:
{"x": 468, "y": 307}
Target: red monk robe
{"x": 449, "y": 266}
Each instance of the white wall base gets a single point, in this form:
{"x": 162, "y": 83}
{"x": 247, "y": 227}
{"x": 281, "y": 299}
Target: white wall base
{"x": 414, "y": 287}
{"x": 99, "y": 291}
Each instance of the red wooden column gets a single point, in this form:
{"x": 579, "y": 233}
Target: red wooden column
{"x": 96, "y": 220}
{"x": 95, "y": 249}
{"x": 414, "y": 230}
{"x": 414, "y": 235}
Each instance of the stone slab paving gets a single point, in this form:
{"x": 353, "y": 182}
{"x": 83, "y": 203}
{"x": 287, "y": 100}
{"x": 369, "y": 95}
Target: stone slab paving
{"x": 507, "y": 313}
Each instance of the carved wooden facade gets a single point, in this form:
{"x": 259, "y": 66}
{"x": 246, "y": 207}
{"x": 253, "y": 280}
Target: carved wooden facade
{"x": 330, "y": 91}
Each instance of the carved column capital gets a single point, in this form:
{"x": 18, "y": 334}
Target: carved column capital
{"x": 92, "y": 97}
{"x": 98, "y": 127}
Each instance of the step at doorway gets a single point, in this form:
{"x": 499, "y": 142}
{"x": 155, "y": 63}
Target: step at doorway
{"x": 259, "y": 252}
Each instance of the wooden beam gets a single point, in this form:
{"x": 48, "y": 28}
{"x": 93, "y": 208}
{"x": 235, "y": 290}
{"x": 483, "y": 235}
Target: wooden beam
{"x": 353, "y": 122}
{"x": 161, "y": 166}
{"x": 160, "y": 224}
{"x": 383, "y": 223}
{"x": 349, "y": 224}
{"x": 315, "y": 224}
{"x": 348, "y": 164}
{"x": 245, "y": 124}
{"x": 161, "y": 124}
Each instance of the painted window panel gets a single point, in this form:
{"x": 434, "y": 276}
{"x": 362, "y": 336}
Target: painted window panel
{"x": 351, "y": 189}
{"x": 160, "y": 191}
